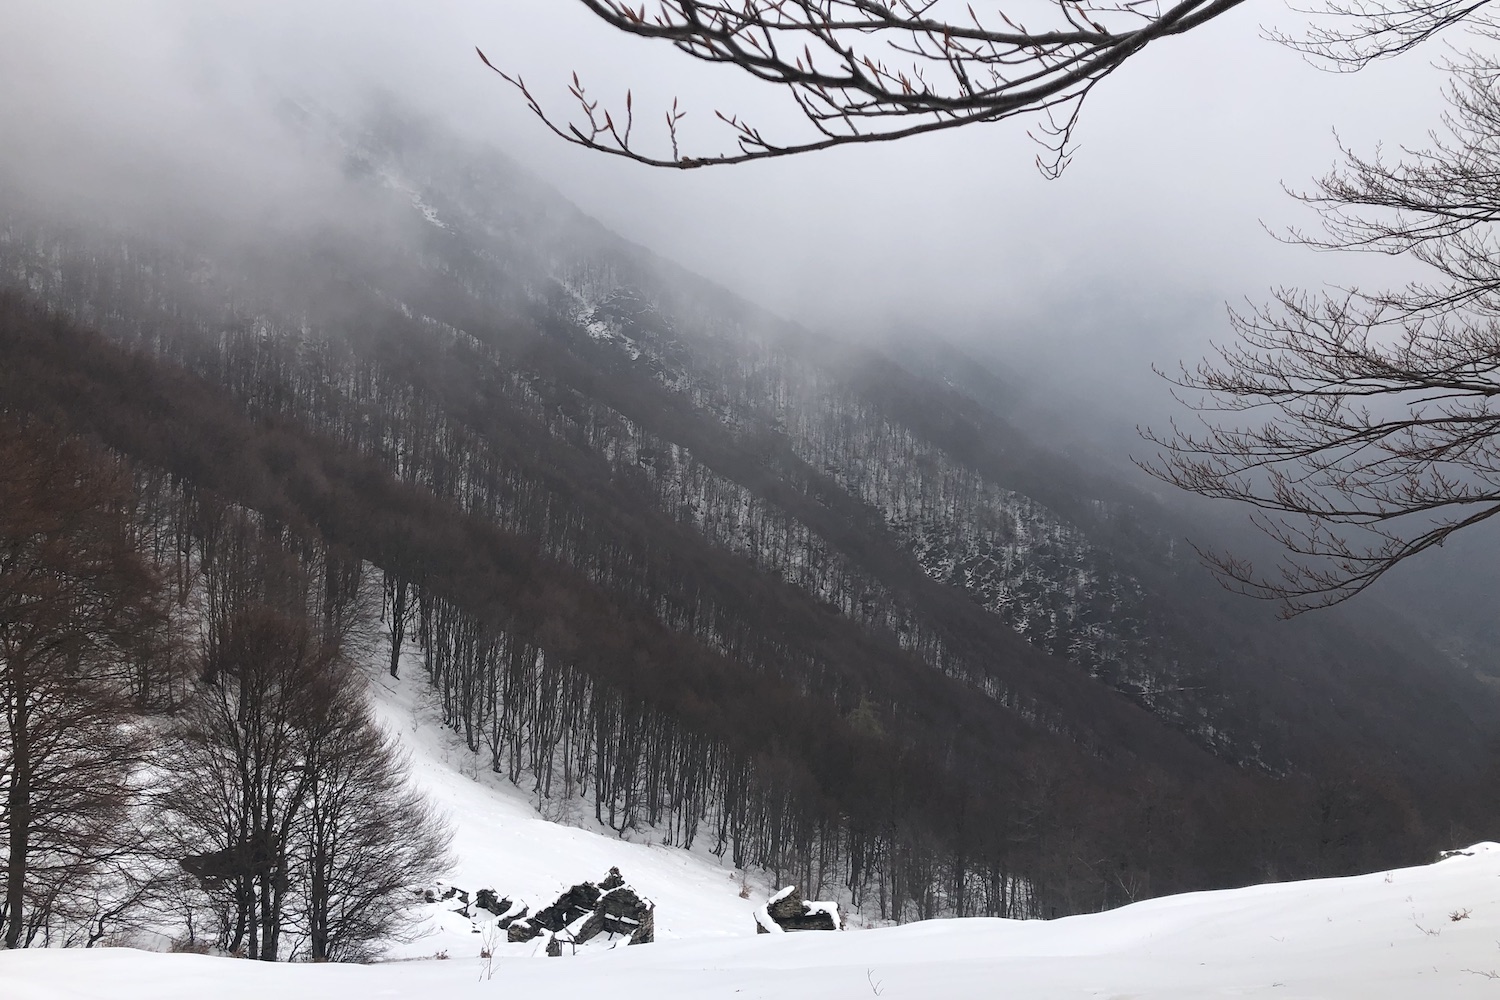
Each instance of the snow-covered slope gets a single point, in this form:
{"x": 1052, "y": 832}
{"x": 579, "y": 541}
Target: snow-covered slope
{"x": 1391, "y": 935}
{"x": 501, "y": 842}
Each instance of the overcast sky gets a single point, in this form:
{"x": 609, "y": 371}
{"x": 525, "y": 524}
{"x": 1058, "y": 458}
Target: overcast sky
{"x": 1125, "y": 260}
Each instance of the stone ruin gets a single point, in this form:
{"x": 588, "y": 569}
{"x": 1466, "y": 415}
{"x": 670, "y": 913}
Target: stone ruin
{"x": 484, "y": 899}
{"x": 787, "y": 911}
{"x": 587, "y": 910}
{"x": 582, "y": 913}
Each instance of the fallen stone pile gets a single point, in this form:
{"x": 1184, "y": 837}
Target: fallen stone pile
{"x": 583, "y": 913}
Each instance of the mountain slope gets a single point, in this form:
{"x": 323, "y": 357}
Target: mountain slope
{"x": 828, "y": 614}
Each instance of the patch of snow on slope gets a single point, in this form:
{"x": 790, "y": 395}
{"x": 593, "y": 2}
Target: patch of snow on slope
{"x": 428, "y": 212}
{"x": 502, "y": 843}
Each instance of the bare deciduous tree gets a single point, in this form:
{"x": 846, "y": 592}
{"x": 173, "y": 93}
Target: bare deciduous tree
{"x": 238, "y": 769}
{"x": 76, "y": 602}
{"x": 1375, "y": 433}
{"x": 291, "y": 808}
{"x": 367, "y": 836}
{"x": 863, "y": 71}
{"x": 397, "y": 601}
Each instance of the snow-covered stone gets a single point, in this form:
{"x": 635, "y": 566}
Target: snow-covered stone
{"x": 787, "y": 911}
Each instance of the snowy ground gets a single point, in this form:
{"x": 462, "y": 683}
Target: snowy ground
{"x": 1376, "y": 937}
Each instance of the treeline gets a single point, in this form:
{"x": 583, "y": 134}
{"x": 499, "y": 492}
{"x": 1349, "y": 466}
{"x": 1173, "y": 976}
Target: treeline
{"x": 807, "y": 747}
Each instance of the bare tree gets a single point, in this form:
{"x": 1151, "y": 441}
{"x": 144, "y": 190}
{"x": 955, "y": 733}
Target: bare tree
{"x": 866, "y": 71}
{"x": 290, "y": 807}
{"x": 403, "y": 610}
{"x": 1351, "y": 34}
{"x": 1373, "y": 432}
{"x": 76, "y": 603}
{"x": 238, "y": 778}
{"x": 367, "y": 836}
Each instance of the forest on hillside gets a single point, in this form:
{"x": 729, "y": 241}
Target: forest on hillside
{"x": 591, "y": 644}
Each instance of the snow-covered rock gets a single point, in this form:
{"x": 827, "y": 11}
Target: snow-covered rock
{"x": 787, "y": 911}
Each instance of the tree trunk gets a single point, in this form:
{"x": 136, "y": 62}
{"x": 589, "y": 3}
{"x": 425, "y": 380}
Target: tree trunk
{"x": 399, "y": 610}
{"x": 19, "y": 805}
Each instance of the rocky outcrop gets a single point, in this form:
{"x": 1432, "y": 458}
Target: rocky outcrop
{"x": 572, "y": 906}
{"x": 787, "y": 911}
{"x": 587, "y": 910}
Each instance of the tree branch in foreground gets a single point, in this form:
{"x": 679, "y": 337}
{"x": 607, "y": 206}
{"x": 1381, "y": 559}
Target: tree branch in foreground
{"x": 1363, "y": 427}
{"x": 861, "y": 71}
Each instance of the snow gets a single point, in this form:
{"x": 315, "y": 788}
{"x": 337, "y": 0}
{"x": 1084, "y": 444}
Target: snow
{"x": 1387, "y": 936}
{"x": 1428, "y": 932}
{"x": 764, "y": 921}
{"x": 429, "y": 213}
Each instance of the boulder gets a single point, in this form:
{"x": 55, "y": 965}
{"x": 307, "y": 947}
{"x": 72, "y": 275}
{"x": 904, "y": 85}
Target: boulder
{"x": 622, "y": 911}
{"x": 522, "y": 930}
{"x": 787, "y": 911}
{"x": 585, "y": 911}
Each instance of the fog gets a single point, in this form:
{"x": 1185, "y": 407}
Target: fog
{"x": 1126, "y": 260}
{"x": 165, "y": 108}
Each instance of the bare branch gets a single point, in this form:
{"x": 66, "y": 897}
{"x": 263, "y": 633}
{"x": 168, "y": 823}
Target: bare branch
{"x": 861, "y": 71}
{"x": 1376, "y": 415}
{"x": 864, "y": 71}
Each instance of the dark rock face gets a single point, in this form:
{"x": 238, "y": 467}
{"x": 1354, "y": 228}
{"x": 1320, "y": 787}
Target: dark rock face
{"x": 577, "y": 902}
{"x": 587, "y": 910}
{"x": 486, "y": 900}
{"x": 462, "y": 897}
{"x": 522, "y": 930}
{"x": 621, "y": 911}
{"x": 788, "y": 911}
